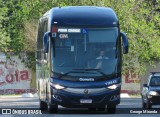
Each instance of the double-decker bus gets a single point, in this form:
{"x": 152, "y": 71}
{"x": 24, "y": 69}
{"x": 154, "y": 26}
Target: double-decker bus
{"x": 79, "y": 58}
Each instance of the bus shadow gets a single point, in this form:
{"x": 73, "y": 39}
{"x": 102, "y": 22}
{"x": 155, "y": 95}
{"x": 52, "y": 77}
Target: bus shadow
{"x": 76, "y": 111}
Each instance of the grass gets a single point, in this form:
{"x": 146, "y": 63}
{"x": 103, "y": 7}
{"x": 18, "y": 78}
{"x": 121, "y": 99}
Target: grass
{"x": 135, "y": 96}
{"x": 10, "y": 95}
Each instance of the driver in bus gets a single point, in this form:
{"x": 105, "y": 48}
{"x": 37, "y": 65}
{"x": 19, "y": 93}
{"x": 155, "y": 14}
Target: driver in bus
{"x": 100, "y": 59}
{"x": 156, "y": 82}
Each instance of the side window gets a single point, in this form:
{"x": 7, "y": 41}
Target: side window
{"x": 40, "y": 36}
{"x": 39, "y": 41}
{"x": 45, "y": 25}
{"x": 42, "y": 28}
{"x": 149, "y": 80}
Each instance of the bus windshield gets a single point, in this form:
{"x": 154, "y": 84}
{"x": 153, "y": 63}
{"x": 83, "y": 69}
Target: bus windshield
{"x": 155, "y": 81}
{"x": 92, "y": 48}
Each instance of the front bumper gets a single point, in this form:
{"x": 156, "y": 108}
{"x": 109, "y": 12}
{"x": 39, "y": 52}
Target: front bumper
{"x": 71, "y": 97}
{"x": 154, "y": 100}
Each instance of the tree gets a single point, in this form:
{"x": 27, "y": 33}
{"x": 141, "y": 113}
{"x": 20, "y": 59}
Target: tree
{"x": 4, "y": 37}
{"x": 140, "y": 19}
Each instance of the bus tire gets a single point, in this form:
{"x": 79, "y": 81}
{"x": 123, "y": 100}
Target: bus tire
{"x": 148, "y": 105}
{"x": 43, "y": 105}
{"x": 52, "y": 108}
{"x": 111, "y": 109}
{"x": 143, "y": 104}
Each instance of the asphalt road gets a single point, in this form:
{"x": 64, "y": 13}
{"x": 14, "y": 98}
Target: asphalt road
{"x": 128, "y": 107}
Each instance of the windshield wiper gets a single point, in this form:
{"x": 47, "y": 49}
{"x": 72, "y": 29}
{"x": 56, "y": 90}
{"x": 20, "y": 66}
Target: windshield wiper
{"x": 84, "y": 69}
{"x": 97, "y": 70}
{"x": 72, "y": 72}
{"x": 114, "y": 74}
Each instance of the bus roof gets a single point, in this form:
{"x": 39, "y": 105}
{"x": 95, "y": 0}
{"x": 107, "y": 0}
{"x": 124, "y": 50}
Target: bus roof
{"x": 83, "y": 16}
{"x": 155, "y": 73}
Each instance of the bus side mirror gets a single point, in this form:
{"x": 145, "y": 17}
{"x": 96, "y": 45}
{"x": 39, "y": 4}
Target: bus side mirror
{"x": 125, "y": 43}
{"x": 46, "y": 41}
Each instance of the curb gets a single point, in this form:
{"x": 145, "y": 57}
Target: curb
{"x": 24, "y": 95}
{"x": 124, "y": 95}
{"x": 7, "y": 96}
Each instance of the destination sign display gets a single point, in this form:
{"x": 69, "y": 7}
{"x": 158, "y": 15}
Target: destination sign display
{"x": 69, "y": 30}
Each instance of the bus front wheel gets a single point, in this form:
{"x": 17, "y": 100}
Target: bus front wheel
{"x": 111, "y": 109}
{"x": 52, "y": 108}
{"x": 43, "y": 105}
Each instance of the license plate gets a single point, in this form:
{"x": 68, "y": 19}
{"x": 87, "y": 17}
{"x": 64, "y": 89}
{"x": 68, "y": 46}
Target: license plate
{"x": 86, "y": 101}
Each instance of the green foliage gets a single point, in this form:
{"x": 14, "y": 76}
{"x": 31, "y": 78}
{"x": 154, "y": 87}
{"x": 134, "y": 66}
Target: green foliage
{"x": 4, "y": 37}
{"x": 30, "y": 62}
{"x": 140, "y": 19}
{"x": 139, "y": 24}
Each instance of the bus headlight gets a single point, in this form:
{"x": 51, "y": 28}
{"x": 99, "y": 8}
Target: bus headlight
{"x": 153, "y": 93}
{"x": 57, "y": 86}
{"x": 114, "y": 86}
